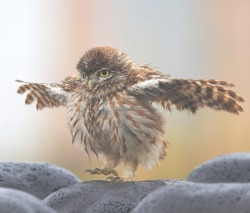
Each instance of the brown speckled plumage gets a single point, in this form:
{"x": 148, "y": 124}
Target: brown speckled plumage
{"x": 110, "y": 112}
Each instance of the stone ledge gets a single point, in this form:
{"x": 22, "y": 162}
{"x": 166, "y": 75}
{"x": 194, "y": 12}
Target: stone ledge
{"x": 219, "y": 185}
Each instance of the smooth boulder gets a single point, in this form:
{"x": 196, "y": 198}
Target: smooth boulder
{"x": 197, "y": 198}
{"x": 102, "y": 196}
{"x": 38, "y": 179}
{"x": 15, "y": 201}
{"x": 226, "y": 168}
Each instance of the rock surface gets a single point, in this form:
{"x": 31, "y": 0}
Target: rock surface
{"x": 102, "y": 196}
{"x": 15, "y": 201}
{"x": 219, "y": 185}
{"x": 226, "y": 168}
{"x": 197, "y": 198}
{"x": 39, "y": 179}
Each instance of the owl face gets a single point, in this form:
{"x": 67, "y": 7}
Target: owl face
{"x": 104, "y": 68}
{"x": 100, "y": 78}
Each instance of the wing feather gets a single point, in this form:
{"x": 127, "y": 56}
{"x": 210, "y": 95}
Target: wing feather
{"x": 45, "y": 95}
{"x": 189, "y": 94}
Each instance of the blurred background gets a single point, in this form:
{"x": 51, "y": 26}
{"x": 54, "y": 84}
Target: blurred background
{"x": 42, "y": 41}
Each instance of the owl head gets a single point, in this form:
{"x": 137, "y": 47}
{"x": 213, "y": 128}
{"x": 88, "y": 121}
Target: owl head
{"x": 104, "y": 68}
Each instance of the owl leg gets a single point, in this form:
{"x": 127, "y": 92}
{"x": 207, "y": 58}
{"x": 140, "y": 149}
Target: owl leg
{"x": 128, "y": 172}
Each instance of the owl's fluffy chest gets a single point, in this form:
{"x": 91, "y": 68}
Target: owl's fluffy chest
{"x": 122, "y": 126}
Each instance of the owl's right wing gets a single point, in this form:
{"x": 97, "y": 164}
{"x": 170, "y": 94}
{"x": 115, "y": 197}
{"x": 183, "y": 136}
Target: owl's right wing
{"x": 188, "y": 94}
{"x": 45, "y": 95}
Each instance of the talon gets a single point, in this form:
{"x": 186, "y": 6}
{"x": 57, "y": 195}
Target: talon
{"x": 114, "y": 173}
{"x": 114, "y": 179}
{"x": 89, "y": 171}
{"x": 97, "y": 170}
{"x": 93, "y": 172}
{"x": 105, "y": 171}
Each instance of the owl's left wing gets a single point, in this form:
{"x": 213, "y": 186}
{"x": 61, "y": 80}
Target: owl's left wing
{"x": 188, "y": 94}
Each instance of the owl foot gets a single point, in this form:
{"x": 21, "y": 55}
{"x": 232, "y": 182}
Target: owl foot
{"x": 114, "y": 179}
{"x": 105, "y": 171}
{"x": 118, "y": 179}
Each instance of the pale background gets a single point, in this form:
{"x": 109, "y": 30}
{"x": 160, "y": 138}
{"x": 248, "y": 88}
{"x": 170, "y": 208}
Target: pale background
{"x": 42, "y": 40}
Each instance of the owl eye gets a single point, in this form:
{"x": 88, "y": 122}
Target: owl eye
{"x": 104, "y": 73}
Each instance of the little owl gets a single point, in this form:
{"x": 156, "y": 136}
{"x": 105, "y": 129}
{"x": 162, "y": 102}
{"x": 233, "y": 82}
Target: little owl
{"x": 110, "y": 111}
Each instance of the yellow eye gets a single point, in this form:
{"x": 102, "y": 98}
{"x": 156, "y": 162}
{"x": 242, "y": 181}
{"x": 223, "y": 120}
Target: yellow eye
{"x": 104, "y": 73}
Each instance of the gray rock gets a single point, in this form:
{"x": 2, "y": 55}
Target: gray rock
{"x": 102, "y": 196}
{"x": 15, "y": 201}
{"x": 226, "y": 168}
{"x": 197, "y": 198}
{"x": 39, "y": 179}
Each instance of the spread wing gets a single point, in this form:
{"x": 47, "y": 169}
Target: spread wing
{"x": 45, "y": 95}
{"x": 189, "y": 94}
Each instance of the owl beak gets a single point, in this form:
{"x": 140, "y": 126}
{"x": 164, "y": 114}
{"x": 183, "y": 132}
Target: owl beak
{"x": 90, "y": 84}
